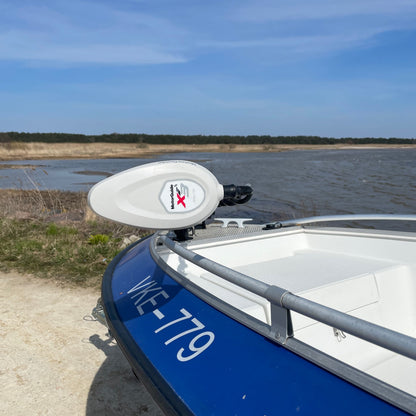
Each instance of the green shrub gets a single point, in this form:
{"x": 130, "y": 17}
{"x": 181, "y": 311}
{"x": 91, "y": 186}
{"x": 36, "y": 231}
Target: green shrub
{"x": 97, "y": 239}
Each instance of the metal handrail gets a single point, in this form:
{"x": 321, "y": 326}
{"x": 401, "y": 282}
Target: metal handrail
{"x": 346, "y": 217}
{"x": 286, "y": 301}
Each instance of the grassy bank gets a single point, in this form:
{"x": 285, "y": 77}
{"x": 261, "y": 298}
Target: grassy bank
{"x": 35, "y": 150}
{"x": 54, "y": 235}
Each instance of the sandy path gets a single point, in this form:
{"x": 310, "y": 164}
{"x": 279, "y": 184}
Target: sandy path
{"x": 55, "y": 362}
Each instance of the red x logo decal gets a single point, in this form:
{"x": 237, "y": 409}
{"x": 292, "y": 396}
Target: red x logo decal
{"x": 181, "y": 200}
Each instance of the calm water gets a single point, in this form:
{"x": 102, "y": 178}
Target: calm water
{"x": 287, "y": 184}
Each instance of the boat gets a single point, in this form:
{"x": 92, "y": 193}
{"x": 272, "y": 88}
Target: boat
{"x": 226, "y": 317}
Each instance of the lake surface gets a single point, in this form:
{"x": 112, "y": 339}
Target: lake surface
{"x": 287, "y": 184}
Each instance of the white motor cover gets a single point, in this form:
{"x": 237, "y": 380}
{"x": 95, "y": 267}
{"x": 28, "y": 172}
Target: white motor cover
{"x": 167, "y": 195}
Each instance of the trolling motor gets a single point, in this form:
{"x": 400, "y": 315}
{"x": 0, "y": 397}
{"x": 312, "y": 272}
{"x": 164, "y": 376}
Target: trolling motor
{"x": 236, "y": 195}
{"x": 168, "y": 195}
{"x": 233, "y": 195}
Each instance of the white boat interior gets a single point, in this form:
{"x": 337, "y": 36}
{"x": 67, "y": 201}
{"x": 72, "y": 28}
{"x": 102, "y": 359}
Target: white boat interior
{"x": 367, "y": 274}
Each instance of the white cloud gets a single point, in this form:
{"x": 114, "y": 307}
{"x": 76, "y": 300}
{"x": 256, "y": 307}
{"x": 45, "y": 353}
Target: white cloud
{"x": 56, "y": 32}
{"x": 23, "y": 47}
{"x": 275, "y": 10}
{"x": 299, "y": 28}
{"x": 298, "y": 44}
{"x": 81, "y": 32}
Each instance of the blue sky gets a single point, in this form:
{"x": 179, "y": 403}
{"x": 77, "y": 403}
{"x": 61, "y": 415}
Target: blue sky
{"x": 296, "y": 67}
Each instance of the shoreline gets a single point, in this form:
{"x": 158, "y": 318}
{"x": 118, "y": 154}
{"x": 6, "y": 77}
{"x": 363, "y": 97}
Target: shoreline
{"x": 39, "y": 150}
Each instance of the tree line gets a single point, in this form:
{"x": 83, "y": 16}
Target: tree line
{"x": 192, "y": 139}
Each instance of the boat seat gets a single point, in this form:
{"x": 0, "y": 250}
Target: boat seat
{"x": 385, "y": 297}
{"x": 344, "y": 296}
{"x": 389, "y": 291}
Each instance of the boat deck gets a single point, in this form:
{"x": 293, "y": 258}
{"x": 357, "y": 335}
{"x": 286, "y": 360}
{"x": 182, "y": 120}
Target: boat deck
{"x": 370, "y": 275}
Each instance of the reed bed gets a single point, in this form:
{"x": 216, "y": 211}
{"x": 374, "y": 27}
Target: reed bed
{"x": 39, "y": 150}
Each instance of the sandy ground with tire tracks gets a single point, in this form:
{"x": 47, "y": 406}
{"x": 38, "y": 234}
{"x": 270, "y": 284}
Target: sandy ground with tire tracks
{"x": 56, "y": 361}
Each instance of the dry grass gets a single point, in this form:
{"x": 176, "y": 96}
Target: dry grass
{"x": 16, "y": 151}
{"x": 47, "y": 205}
{"x": 54, "y": 234}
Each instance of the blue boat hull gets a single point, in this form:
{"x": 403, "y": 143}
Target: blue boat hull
{"x": 196, "y": 360}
